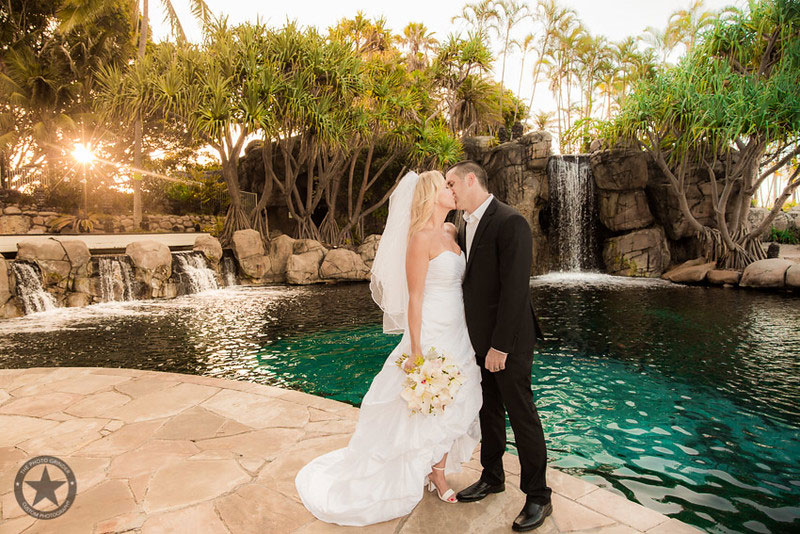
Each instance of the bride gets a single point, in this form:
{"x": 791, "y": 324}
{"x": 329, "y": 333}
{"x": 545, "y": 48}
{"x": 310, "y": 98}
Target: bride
{"x": 393, "y": 454}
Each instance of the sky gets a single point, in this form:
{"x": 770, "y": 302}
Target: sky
{"x": 616, "y": 19}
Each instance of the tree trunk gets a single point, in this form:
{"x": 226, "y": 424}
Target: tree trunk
{"x": 4, "y": 170}
{"x": 137, "y": 126}
{"x": 235, "y": 218}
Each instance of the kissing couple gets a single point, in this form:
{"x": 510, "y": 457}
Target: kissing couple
{"x": 465, "y": 293}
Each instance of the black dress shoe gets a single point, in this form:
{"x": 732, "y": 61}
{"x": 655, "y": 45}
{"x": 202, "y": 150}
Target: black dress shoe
{"x": 531, "y": 516}
{"x": 478, "y": 491}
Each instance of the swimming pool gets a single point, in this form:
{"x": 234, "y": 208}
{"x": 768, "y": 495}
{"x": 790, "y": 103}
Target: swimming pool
{"x": 684, "y": 399}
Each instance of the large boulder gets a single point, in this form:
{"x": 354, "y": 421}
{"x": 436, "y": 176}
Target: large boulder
{"x": 754, "y": 217}
{"x": 368, "y": 249}
{"x": 14, "y": 224}
{"x": 621, "y": 211}
{"x": 640, "y": 253}
{"x": 537, "y": 149}
{"x": 792, "y": 277}
{"x": 76, "y": 300}
{"x": 723, "y": 276}
{"x": 5, "y": 291}
{"x": 782, "y": 222}
{"x": 248, "y": 248}
{"x": 246, "y": 243}
{"x": 59, "y": 261}
{"x": 303, "y": 269}
{"x": 343, "y": 264}
{"x": 690, "y": 272}
{"x": 619, "y": 169}
{"x": 280, "y": 248}
{"x": 210, "y": 247}
{"x": 152, "y": 262}
{"x": 301, "y": 246}
{"x": 78, "y": 255}
{"x": 769, "y": 273}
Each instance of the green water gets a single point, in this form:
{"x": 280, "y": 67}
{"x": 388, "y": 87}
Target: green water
{"x": 654, "y": 413}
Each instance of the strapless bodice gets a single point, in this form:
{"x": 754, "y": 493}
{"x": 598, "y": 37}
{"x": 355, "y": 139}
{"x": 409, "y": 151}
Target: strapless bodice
{"x": 445, "y": 272}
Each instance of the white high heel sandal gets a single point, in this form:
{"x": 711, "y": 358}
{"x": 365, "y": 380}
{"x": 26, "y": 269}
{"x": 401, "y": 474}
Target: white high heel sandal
{"x": 449, "y": 495}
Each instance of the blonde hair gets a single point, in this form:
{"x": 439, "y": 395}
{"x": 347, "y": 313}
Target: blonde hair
{"x": 424, "y": 199}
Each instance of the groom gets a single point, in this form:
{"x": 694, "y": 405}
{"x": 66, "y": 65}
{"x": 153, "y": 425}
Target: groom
{"x": 503, "y": 329}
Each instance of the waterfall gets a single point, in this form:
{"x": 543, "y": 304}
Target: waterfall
{"x": 572, "y": 212}
{"x": 228, "y": 271}
{"x": 29, "y": 290}
{"x": 197, "y": 273}
{"x": 116, "y": 279}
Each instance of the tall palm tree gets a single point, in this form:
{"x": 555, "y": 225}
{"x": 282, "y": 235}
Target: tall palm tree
{"x": 420, "y": 42}
{"x": 510, "y": 13}
{"x": 77, "y": 12}
{"x": 686, "y": 24}
{"x": 479, "y": 15}
{"x": 661, "y": 41}
{"x": 525, "y": 45}
{"x": 551, "y": 17}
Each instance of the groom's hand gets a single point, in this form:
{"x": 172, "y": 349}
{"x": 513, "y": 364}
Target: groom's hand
{"x": 495, "y": 360}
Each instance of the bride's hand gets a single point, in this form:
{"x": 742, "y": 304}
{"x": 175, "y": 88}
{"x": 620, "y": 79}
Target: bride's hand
{"x": 408, "y": 365}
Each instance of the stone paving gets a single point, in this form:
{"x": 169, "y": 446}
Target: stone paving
{"x": 163, "y": 452}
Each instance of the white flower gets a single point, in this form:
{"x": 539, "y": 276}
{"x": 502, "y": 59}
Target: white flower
{"x": 431, "y": 386}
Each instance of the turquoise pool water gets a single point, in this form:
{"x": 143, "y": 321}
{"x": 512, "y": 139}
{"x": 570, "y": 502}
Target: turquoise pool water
{"x": 686, "y": 400}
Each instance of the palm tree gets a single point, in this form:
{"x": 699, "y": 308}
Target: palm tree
{"x": 420, "y": 42}
{"x": 551, "y": 17}
{"x": 479, "y": 15}
{"x": 456, "y": 61}
{"x": 510, "y": 13}
{"x": 661, "y": 41}
{"x": 686, "y": 24}
{"x": 543, "y": 120}
{"x": 77, "y": 12}
{"x": 525, "y": 45}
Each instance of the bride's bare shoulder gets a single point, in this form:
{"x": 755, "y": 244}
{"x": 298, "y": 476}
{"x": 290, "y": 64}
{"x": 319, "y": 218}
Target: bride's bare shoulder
{"x": 420, "y": 239}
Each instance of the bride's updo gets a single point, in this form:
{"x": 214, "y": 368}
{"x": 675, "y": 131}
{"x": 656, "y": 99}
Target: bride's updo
{"x": 424, "y": 199}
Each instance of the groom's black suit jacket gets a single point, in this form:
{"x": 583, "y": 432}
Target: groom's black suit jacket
{"x": 497, "y": 297}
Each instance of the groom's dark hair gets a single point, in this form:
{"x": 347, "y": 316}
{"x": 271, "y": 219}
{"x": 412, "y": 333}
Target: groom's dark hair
{"x": 463, "y": 168}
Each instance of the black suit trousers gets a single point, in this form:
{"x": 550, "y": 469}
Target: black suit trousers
{"x": 509, "y": 390}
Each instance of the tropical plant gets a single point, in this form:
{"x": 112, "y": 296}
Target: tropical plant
{"x": 457, "y": 60}
{"x": 479, "y": 15}
{"x": 82, "y": 222}
{"x": 731, "y": 108}
{"x": 510, "y": 14}
{"x": 420, "y": 42}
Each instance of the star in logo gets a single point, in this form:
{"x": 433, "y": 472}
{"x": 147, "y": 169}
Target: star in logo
{"x": 45, "y": 488}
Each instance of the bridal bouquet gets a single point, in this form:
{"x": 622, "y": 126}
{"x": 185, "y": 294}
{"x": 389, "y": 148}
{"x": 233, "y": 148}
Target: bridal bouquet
{"x": 432, "y": 384}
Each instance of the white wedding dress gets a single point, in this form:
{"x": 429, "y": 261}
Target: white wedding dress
{"x": 380, "y": 474}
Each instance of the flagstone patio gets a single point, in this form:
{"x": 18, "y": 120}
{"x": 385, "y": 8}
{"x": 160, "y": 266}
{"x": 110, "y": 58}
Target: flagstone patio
{"x": 160, "y": 452}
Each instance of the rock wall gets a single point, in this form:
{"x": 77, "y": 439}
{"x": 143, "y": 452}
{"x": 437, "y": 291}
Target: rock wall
{"x": 16, "y": 219}
{"x": 637, "y": 245}
{"x": 634, "y": 194}
{"x": 518, "y": 176}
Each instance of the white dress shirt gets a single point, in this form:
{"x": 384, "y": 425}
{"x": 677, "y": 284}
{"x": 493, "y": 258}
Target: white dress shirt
{"x": 473, "y": 219}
